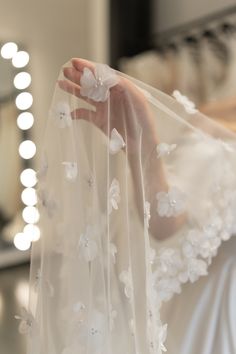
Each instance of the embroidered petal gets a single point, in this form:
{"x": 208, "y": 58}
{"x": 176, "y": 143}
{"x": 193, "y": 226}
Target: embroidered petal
{"x": 62, "y": 115}
{"x": 116, "y": 142}
{"x": 126, "y": 278}
{"x": 114, "y": 196}
{"x": 164, "y": 149}
{"x": 96, "y": 86}
{"x": 27, "y": 322}
{"x": 172, "y": 203}
{"x": 87, "y": 246}
{"x": 189, "y": 106}
{"x": 71, "y": 170}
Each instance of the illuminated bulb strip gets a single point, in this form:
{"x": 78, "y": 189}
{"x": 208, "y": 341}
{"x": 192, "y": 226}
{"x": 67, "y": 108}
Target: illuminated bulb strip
{"x": 27, "y": 148}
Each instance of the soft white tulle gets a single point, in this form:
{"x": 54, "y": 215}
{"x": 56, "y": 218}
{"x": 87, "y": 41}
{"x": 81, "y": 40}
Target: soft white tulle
{"x": 129, "y": 215}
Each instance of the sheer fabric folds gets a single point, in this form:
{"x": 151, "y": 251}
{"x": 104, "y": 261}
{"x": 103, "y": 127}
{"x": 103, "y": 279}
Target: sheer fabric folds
{"x": 137, "y": 192}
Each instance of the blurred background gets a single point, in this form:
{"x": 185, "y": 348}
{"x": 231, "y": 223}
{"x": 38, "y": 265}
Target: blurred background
{"x": 183, "y": 44}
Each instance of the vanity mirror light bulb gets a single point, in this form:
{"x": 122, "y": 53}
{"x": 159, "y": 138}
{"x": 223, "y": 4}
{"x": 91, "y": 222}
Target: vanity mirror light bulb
{"x": 32, "y": 231}
{"x": 21, "y": 241}
{"x": 29, "y": 197}
{"x": 27, "y": 149}
{"x": 24, "y": 100}
{"x": 8, "y": 50}
{"x": 30, "y": 215}
{"x": 22, "y": 80}
{"x": 20, "y": 59}
{"x": 28, "y": 177}
{"x": 25, "y": 120}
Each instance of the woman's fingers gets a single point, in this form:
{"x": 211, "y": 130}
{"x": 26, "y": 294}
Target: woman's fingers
{"x": 80, "y": 64}
{"x": 72, "y": 74}
{"x": 69, "y": 87}
{"x": 74, "y": 89}
{"x": 83, "y": 113}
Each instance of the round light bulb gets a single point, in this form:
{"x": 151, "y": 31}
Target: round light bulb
{"x": 30, "y": 215}
{"x": 29, "y": 197}
{"x": 24, "y": 101}
{"x": 20, "y": 59}
{"x": 27, "y": 149}
{"x": 32, "y": 232}
{"x": 25, "y": 120}
{"x": 22, "y": 80}
{"x": 28, "y": 177}
{"x": 8, "y": 50}
{"x": 21, "y": 242}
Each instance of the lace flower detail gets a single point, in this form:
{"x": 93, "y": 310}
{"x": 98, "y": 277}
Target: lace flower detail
{"x": 194, "y": 268}
{"x": 189, "y": 106}
{"x": 62, "y": 115}
{"x": 164, "y": 149}
{"x": 96, "y": 86}
{"x": 116, "y": 142}
{"x": 71, "y": 170}
{"x": 172, "y": 203}
{"x": 162, "y": 337}
{"x": 87, "y": 246}
{"x": 114, "y": 196}
{"x": 27, "y": 322}
{"x": 94, "y": 332}
{"x": 126, "y": 278}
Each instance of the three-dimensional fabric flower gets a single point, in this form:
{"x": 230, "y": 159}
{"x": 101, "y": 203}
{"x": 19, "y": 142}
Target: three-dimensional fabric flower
{"x": 96, "y": 86}
{"x": 114, "y": 196}
{"x": 71, "y": 170}
{"x": 87, "y": 246}
{"x": 27, "y": 321}
{"x": 62, "y": 115}
{"x": 172, "y": 203}
{"x": 189, "y": 106}
{"x": 164, "y": 149}
{"x": 126, "y": 278}
{"x": 116, "y": 142}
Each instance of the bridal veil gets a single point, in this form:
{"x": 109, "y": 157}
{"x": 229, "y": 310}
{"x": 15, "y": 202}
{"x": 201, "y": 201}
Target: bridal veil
{"x": 137, "y": 192}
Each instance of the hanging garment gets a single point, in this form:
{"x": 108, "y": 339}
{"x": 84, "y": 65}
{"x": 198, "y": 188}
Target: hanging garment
{"x": 137, "y": 193}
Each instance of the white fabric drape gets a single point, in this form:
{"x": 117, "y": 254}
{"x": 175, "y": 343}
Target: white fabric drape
{"x": 137, "y": 194}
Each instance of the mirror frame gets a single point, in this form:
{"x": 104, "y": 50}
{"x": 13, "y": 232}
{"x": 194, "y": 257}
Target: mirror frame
{"x": 17, "y": 253}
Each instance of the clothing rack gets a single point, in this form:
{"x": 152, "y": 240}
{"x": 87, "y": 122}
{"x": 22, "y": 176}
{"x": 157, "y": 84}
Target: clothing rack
{"x": 190, "y": 30}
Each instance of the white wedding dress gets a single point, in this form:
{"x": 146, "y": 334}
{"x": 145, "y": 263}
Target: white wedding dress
{"x": 138, "y": 193}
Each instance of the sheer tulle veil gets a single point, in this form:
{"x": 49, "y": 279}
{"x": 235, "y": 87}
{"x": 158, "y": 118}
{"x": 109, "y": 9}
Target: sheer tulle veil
{"x": 137, "y": 192}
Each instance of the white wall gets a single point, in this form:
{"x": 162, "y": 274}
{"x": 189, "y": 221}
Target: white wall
{"x": 54, "y": 31}
{"x": 171, "y": 13}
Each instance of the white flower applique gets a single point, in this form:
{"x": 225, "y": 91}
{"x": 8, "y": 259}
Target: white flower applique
{"x": 87, "y": 246}
{"x": 171, "y": 203}
{"x": 94, "y": 332}
{"x": 116, "y": 142}
{"x": 71, "y": 170}
{"x": 164, "y": 149}
{"x": 44, "y": 283}
{"x": 147, "y": 214}
{"x": 194, "y": 268}
{"x": 114, "y": 196}
{"x": 96, "y": 86}
{"x": 126, "y": 278}
{"x": 189, "y": 106}
{"x": 27, "y": 322}
{"x": 61, "y": 113}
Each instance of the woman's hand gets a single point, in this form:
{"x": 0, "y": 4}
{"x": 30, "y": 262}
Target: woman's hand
{"x": 127, "y": 109}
